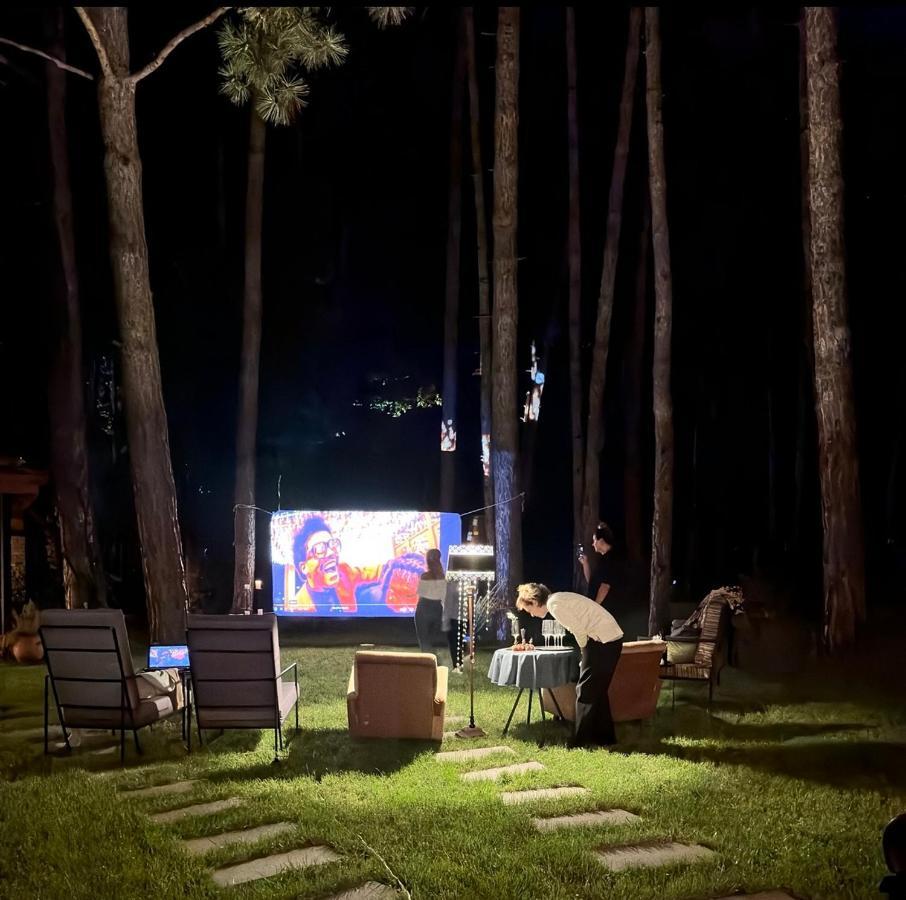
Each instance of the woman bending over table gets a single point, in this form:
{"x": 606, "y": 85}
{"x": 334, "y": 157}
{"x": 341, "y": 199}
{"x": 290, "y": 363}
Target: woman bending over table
{"x": 601, "y": 640}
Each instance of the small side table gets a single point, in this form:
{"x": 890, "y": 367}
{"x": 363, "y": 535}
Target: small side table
{"x": 533, "y": 670}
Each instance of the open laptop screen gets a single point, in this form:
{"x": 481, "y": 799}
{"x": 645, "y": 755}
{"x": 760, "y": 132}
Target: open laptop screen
{"x": 168, "y": 656}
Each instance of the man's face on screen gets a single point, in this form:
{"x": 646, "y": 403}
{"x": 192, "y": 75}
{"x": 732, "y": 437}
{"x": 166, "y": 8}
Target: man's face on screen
{"x": 322, "y": 560}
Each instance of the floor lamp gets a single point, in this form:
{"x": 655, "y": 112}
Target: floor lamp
{"x": 469, "y": 566}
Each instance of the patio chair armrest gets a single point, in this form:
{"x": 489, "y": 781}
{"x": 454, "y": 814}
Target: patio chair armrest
{"x": 290, "y": 666}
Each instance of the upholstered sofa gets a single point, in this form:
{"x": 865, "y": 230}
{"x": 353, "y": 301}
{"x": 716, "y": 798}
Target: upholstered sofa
{"x": 633, "y": 692}
{"x": 396, "y": 695}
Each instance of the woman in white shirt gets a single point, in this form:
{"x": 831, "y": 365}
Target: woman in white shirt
{"x": 432, "y": 587}
{"x": 601, "y": 641}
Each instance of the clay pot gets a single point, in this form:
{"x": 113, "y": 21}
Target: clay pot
{"x": 27, "y": 649}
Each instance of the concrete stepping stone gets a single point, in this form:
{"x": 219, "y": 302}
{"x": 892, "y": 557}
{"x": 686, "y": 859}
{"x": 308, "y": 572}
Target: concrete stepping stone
{"x": 162, "y": 790}
{"x": 200, "y": 809}
{"x": 267, "y": 866}
{"x": 513, "y": 797}
{"x": 370, "y": 890}
{"x": 650, "y": 855}
{"x": 246, "y": 836}
{"x": 494, "y": 774}
{"x": 465, "y": 755}
{"x": 601, "y": 817}
{"x": 763, "y": 895}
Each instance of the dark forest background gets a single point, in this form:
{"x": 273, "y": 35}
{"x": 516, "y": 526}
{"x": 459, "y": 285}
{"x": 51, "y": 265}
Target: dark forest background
{"x": 354, "y": 241}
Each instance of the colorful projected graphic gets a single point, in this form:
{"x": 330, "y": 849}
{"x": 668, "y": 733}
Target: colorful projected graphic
{"x": 344, "y": 563}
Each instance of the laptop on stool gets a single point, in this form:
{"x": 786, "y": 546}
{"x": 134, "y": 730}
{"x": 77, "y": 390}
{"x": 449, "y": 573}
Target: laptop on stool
{"x": 168, "y": 656}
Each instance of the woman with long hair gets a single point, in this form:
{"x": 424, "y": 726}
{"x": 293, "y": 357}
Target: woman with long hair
{"x": 432, "y": 588}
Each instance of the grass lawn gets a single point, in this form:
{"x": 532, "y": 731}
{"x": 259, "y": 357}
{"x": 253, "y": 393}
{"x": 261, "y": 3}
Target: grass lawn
{"x": 790, "y": 784}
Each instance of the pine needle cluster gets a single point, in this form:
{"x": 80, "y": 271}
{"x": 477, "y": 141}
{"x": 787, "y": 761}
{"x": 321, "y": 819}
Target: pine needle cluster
{"x": 268, "y": 51}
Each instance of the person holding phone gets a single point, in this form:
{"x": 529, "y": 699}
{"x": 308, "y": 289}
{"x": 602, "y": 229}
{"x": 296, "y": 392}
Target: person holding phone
{"x": 602, "y": 571}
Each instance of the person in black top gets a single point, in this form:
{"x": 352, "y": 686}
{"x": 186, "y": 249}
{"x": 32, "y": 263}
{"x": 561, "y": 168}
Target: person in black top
{"x": 603, "y": 571}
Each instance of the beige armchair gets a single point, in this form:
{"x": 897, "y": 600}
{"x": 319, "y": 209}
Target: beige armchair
{"x": 397, "y": 695}
{"x": 633, "y": 692}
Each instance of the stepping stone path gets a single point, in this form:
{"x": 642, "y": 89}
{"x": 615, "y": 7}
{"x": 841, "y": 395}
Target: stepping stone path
{"x": 370, "y": 890}
{"x": 513, "y": 797}
{"x": 200, "y": 809}
{"x": 649, "y": 855}
{"x": 494, "y": 774}
{"x": 601, "y": 817}
{"x": 161, "y": 790}
{"x": 466, "y": 755}
{"x": 273, "y": 865}
{"x": 246, "y": 836}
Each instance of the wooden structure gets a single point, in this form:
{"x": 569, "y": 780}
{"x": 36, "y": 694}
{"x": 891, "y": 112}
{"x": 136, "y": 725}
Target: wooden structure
{"x": 19, "y": 487}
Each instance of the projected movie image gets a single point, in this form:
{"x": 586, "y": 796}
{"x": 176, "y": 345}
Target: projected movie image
{"x": 353, "y": 563}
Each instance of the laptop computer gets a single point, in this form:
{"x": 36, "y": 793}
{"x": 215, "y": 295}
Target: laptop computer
{"x": 168, "y": 656}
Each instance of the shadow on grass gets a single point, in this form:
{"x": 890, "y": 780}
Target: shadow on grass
{"x": 314, "y": 754}
{"x": 849, "y": 764}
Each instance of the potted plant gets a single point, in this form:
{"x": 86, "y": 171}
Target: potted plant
{"x": 25, "y": 642}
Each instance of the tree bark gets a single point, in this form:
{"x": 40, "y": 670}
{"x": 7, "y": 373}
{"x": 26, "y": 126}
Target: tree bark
{"x": 505, "y": 442}
{"x": 484, "y": 299}
{"x": 146, "y": 420}
{"x": 841, "y": 508}
{"x": 662, "y": 522}
{"x": 805, "y": 439}
{"x": 595, "y": 429}
{"x": 83, "y": 572}
{"x": 247, "y": 422}
{"x": 635, "y": 352}
{"x": 451, "y": 303}
{"x": 574, "y": 256}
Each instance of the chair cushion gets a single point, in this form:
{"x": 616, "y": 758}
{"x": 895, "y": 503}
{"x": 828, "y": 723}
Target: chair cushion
{"x": 690, "y": 670}
{"x": 681, "y": 651}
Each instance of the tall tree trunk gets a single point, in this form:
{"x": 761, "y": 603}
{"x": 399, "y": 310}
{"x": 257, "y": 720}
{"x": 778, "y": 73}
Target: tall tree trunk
{"x": 505, "y": 442}
{"x": 484, "y": 284}
{"x": 574, "y": 255}
{"x": 247, "y": 422}
{"x": 83, "y": 573}
{"x": 841, "y": 508}
{"x": 805, "y": 443}
{"x": 450, "y": 424}
{"x": 635, "y": 353}
{"x": 595, "y": 429}
{"x": 662, "y": 521}
{"x": 146, "y": 420}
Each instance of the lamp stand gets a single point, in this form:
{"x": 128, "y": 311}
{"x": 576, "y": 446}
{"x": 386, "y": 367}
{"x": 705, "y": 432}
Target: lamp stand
{"x": 471, "y": 730}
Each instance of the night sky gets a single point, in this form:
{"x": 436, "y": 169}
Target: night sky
{"x": 354, "y": 259}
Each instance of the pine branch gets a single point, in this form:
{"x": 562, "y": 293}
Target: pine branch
{"x": 99, "y": 48}
{"x": 176, "y": 41}
{"x": 57, "y": 62}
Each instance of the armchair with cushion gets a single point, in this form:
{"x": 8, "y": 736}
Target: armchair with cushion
{"x": 633, "y": 692}
{"x": 237, "y": 679}
{"x": 91, "y": 676}
{"x": 707, "y": 644}
{"x": 396, "y": 695}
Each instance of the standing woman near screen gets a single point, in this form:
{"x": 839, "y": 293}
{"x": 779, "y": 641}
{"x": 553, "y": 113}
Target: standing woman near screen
{"x": 432, "y": 588}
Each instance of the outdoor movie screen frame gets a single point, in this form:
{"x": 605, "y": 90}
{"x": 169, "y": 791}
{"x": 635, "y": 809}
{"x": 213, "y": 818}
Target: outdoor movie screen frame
{"x": 354, "y": 563}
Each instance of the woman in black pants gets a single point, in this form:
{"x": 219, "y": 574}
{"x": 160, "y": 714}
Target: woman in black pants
{"x": 601, "y": 640}
{"x": 432, "y": 588}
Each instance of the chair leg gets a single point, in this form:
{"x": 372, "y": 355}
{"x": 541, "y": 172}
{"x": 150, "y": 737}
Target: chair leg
{"x": 46, "y": 747}
{"x": 122, "y": 746}
{"x": 276, "y": 757}
{"x": 138, "y": 746}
